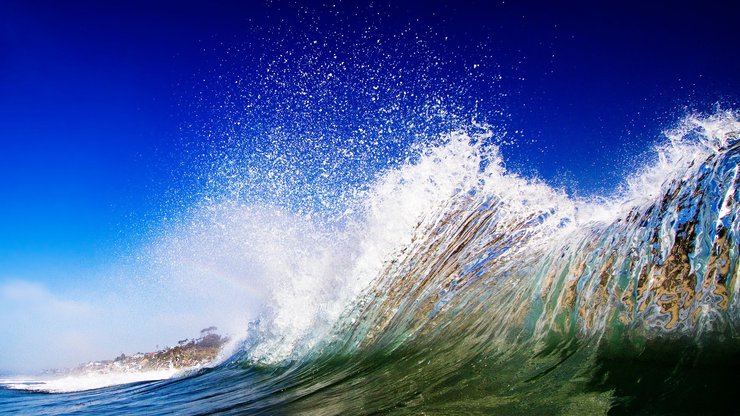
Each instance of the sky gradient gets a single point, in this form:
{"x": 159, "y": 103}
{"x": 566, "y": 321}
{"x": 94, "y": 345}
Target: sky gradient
{"x": 102, "y": 105}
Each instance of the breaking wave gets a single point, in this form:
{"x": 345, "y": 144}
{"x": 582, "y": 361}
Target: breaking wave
{"x": 451, "y": 285}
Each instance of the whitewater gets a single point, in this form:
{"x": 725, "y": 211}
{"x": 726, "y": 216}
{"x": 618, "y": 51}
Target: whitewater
{"x": 447, "y": 284}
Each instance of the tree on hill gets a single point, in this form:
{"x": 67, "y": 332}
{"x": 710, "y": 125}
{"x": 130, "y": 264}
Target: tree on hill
{"x": 207, "y": 331}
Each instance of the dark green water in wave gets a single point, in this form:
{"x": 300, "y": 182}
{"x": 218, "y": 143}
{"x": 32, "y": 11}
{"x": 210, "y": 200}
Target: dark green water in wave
{"x": 561, "y": 377}
{"x": 666, "y": 377}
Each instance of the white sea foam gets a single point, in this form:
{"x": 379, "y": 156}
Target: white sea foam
{"x": 691, "y": 142}
{"x": 82, "y": 382}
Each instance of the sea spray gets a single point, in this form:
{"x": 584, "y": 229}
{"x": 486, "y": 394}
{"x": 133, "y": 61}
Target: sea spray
{"x": 531, "y": 253}
{"x": 452, "y": 232}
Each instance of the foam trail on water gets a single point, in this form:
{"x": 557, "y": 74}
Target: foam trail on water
{"x": 82, "y": 382}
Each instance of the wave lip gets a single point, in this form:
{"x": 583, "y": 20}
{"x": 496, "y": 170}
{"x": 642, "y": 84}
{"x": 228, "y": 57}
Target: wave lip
{"x": 502, "y": 256}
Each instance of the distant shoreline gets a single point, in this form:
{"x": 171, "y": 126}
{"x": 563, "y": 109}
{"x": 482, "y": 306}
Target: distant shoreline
{"x": 189, "y": 353}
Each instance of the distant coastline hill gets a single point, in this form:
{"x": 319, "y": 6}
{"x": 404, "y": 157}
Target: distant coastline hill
{"x": 189, "y": 353}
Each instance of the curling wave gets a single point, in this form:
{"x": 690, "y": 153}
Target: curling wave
{"x": 451, "y": 286}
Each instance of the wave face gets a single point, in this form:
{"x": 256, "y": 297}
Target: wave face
{"x": 466, "y": 289}
{"x": 528, "y": 262}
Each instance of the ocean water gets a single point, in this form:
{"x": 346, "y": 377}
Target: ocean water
{"x": 448, "y": 285}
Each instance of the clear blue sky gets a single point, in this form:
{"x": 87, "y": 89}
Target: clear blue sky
{"x": 100, "y": 100}
{"x": 89, "y": 95}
